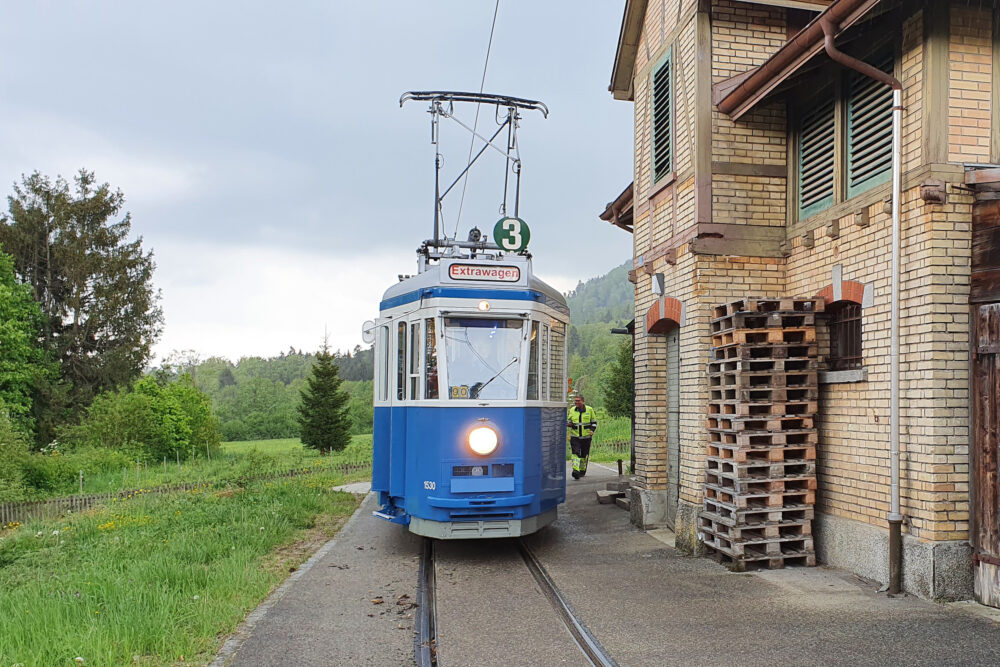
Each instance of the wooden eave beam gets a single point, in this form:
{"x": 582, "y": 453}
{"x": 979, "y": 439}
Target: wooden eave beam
{"x": 628, "y": 47}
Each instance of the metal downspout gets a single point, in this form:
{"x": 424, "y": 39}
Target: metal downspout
{"x": 895, "y": 519}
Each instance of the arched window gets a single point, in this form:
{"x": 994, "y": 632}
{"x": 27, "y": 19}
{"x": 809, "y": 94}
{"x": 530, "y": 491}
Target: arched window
{"x": 845, "y": 335}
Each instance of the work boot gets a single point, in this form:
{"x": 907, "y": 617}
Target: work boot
{"x": 576, "y": 475}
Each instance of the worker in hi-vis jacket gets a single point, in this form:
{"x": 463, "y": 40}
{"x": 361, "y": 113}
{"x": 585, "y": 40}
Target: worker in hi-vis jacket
{"x": 581, "y": 424}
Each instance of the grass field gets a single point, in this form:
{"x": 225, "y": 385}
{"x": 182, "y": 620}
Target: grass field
{"x": 157, "y": 579}
{"x": 238, "y": 460}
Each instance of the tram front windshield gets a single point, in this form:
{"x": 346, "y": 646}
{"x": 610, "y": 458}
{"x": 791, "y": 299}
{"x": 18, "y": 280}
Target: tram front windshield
{"x": 483, "y": 358}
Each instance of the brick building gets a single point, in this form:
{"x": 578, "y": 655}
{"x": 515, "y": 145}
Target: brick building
{"x": 762, "y": 167}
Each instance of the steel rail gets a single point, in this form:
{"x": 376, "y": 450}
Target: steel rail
{"x": 587, "y": 643}
{"x": 425, "y": 640}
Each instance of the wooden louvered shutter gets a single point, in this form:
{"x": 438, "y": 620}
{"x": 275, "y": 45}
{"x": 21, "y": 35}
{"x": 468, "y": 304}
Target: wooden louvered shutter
{"x": 869, "y": 128}
{"x": 663, "y": 149}
{"x": 816, "y": 156}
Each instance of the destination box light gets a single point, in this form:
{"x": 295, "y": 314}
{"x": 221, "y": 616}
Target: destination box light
{"x": 504, "y": 274}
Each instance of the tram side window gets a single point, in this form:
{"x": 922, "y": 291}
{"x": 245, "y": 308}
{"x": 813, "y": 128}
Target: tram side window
{"x": 401, "y": 361}
{"x": 557, "y": 361}
{"x": 545, "y": 362}
{"x": 533, "y": 363}
{"x": 415, "y": 361}
{"x": 430, "y": 359}
{"x": 383, "y": 363}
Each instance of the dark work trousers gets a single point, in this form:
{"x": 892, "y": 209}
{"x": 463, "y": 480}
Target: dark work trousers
{"x": 581, "y": 453}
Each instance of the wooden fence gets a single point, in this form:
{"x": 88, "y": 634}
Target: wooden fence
{"x": 56, "y": 507}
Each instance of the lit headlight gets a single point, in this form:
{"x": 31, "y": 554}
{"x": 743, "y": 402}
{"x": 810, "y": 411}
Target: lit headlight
{"x": 483, "y": 440}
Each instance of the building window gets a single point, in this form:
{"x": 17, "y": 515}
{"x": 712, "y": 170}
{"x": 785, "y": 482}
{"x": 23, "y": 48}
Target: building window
{"x": 663, "y": 122}
{"x": 845, "y": 335}
{"x": 843, "y": 138}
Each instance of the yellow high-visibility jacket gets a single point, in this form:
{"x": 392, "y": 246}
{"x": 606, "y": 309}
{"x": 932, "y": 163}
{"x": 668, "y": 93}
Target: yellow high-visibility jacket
{"x": 582, "y": 424}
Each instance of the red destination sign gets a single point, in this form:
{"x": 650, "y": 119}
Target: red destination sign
{"x": 504, "y": 274}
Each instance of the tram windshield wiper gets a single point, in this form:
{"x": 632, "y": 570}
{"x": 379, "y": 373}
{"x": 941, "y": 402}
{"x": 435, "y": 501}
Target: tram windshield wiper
{"x": 475, "y": 390}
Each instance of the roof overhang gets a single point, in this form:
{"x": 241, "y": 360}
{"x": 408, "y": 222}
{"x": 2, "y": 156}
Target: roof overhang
{"x": 738, "y": 95}
{"x": 619, "y": 212}
{"x": 628, "y": 47}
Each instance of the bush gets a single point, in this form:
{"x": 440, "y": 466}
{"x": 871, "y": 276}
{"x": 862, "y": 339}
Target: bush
{"x": 149, "y": 422}
{"x": 13, "y": 454}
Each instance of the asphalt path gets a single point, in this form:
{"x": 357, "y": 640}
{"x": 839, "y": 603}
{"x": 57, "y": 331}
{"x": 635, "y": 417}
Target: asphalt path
{"x": 646, "y": 603}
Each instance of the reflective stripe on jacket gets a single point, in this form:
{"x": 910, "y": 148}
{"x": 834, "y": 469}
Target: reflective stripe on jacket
{"x": 582, "y": 423}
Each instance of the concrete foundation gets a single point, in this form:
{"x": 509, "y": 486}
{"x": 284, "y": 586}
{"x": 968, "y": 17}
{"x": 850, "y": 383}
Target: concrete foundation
{"x": 934, "y": 570}
{"x": 686, "y": 528}
{"x": 648, "y": 509}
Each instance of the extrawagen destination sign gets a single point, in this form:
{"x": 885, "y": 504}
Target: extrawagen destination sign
{"x": 504, "y": 274}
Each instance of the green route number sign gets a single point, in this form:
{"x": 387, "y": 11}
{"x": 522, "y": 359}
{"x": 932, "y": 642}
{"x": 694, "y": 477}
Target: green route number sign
{"x": 511, "y": 234}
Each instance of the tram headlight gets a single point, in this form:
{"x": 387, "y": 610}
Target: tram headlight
{"x": 483, "y": 440}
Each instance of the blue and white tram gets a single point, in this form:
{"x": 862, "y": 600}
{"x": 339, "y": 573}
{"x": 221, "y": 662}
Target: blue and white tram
{"x": 470, "y": 399}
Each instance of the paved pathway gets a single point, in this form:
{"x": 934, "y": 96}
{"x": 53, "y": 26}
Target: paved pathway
{"x": 645, "y": 602}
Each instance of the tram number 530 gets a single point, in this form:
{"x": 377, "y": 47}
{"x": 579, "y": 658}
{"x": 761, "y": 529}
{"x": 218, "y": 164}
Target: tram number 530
{"x": 511, "y": 234}
{"x": 430, "y": 486}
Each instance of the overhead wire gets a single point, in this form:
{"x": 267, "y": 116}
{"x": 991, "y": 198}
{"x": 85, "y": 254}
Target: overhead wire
{"x": 475, "y": 124}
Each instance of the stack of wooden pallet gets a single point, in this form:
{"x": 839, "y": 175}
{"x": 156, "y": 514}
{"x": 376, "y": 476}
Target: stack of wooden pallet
{"x": 760, "y": 483}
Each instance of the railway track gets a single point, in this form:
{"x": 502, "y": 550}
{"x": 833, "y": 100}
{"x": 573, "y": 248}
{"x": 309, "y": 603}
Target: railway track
{"x": 426, "y": 640}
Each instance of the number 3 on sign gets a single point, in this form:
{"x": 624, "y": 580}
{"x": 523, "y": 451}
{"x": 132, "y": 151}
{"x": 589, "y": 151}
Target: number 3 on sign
{"x": 511, "y": 234}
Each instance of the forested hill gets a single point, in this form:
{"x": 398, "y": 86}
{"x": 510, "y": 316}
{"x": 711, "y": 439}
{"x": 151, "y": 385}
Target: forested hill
{"x": 257, "y": 398}
{"x": 596, "y": 306}
{"x": 607, "y": 298}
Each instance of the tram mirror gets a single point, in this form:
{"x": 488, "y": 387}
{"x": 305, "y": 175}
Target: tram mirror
{"x": 368, "y": 332}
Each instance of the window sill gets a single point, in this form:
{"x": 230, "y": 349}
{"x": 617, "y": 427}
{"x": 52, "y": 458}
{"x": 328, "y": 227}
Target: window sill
{"x": 843, "y": 377}
{"x": 662, "y": 184}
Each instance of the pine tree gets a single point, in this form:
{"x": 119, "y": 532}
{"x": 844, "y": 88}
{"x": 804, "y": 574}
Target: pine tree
{"x": 323, "y": 416}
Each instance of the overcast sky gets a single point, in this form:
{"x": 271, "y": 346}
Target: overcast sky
{"x": 266, "y": 161}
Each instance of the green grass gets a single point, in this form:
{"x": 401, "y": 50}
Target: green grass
{"x": 611, "y": 439}
{"x": 238, "y": 460}
{"x": 156, "y": 579}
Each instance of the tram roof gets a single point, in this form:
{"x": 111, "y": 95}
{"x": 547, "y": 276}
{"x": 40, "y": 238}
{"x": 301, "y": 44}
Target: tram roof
{"x": 440, "y": 276}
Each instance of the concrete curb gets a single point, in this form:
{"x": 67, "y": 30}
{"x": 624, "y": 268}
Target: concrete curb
{"x": 243, "y": 631}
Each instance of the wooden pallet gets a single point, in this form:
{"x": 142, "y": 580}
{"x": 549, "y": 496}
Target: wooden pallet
{"x": 761, "y": 424}
{"x": 764, "y": 337}
{"x": 755, "y": 304}
{"x": 763, "y": 379}
{"x": 738, "y": 408}
{"x": 751, "y": 486}
{"x": 751, "y": 515}
{"x": 773, "y": 498}
{"x": 762, "y": 469}
{"x": 743, "y": 454}
{"x": 763, "y": 439}
{"x": 765, "y": 395}
{"x": 753, "y": 533}
{"x": 765, "y": 352}
{"x": 770, "y": 562}
{"x": 762, "y": 321}
{"x": 763, "y": 366}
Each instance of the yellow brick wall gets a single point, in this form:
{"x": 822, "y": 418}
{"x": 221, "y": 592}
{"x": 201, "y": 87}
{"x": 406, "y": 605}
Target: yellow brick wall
{"x": 853, "y": 419}
{"x": 970, "y": 66}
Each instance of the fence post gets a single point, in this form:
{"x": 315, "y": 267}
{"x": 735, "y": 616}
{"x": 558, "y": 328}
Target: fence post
{"x": 81, "y": 482}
